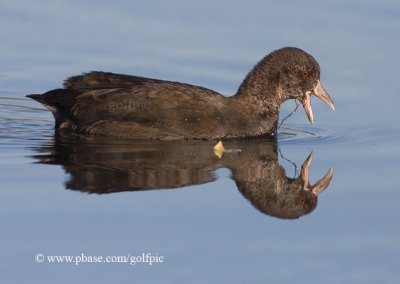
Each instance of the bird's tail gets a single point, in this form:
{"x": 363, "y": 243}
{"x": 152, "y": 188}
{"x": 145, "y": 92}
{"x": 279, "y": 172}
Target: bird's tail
{"x": 58, "y": 101}
{"x": 37, "y": 97}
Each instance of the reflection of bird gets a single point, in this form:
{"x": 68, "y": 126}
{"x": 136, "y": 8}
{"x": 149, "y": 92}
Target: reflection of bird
{"x": 96, "y": 166}
{"x": 285, "y": 198}
{"x": 141, "y": 108}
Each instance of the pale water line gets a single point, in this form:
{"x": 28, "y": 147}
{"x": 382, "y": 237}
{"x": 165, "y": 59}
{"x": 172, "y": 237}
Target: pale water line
{"x": 15, "y": 99}
{"x": 22, "y": 124}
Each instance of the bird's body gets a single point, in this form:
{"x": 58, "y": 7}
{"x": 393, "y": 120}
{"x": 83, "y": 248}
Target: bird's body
{"x": 101, "y": 103}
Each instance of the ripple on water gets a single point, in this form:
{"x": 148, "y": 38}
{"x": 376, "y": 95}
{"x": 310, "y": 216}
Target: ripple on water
{"x": 308, "y": 134}
{"x": 21, "y": 123}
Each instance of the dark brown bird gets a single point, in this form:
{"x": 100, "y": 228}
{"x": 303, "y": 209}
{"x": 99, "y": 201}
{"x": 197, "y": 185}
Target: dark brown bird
{"x": 108, "y": 104}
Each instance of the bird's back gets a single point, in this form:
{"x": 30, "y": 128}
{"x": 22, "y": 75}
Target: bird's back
{"x": 135, "y": 107}
{"x": 105, "y": 80}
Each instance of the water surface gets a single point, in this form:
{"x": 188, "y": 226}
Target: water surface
{"x": 202, "y": 213}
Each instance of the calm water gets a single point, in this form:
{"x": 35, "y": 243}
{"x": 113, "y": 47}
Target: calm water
{"x": 217, "y": 221}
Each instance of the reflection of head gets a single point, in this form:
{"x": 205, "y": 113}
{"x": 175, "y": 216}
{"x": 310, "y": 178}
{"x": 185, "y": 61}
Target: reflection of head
{"x": 283, "y": 200}
{"x": 269, "y": 190}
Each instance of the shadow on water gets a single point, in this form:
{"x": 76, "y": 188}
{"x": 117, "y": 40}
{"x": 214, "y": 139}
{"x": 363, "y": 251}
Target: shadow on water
{"x": 95, "y": 165}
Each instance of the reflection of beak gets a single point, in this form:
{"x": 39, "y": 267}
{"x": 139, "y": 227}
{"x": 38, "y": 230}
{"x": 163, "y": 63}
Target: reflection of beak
{"x": 320, "y": 185}
{"x": 319, "y": 92}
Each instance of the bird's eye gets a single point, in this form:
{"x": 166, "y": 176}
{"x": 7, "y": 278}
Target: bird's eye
{"x": 305, "y": 73}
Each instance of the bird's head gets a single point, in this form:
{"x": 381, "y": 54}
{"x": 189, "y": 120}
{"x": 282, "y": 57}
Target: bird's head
{"x": 297, "y": 75}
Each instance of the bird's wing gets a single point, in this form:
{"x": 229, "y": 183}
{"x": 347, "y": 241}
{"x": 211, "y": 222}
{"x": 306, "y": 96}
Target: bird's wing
{"x": 163, "y": 108}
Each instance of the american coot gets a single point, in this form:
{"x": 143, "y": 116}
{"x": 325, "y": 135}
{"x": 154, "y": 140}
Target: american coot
{"x": 109, "y": 104}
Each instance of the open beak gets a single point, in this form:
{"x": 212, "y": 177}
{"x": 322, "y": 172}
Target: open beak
{"x": 319, "y": 92}
{"x": 320, "y": 185}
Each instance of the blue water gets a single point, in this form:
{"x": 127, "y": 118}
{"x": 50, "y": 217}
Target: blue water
{"x": 207, "y": 231}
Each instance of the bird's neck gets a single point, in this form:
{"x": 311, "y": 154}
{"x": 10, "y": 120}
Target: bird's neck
{"x": 260, "y": 97}
{"x": 261, "y": 88}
